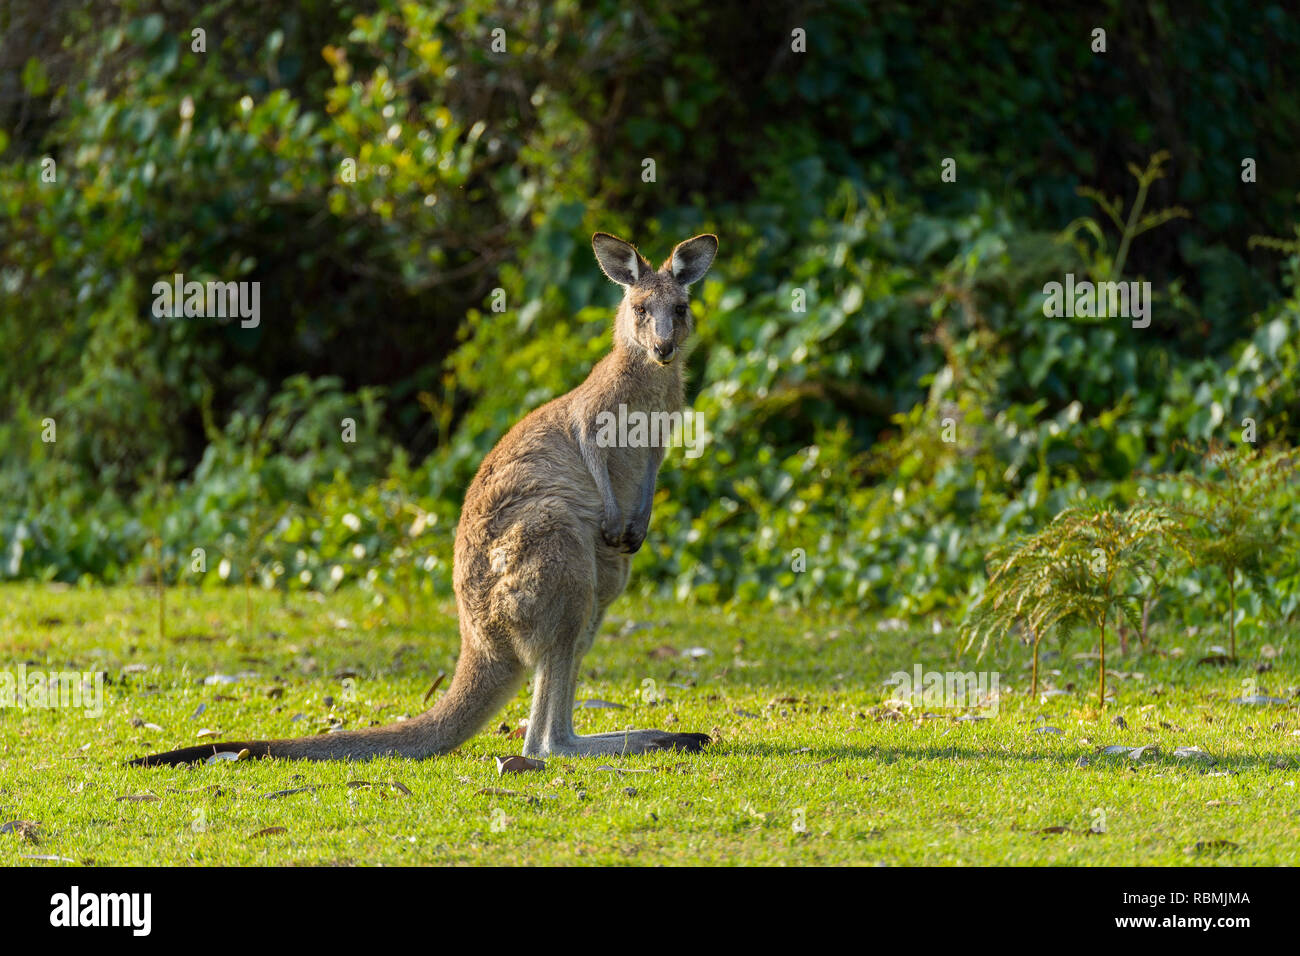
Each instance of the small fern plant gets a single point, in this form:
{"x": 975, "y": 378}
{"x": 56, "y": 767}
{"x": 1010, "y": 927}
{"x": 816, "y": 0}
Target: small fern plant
{"x": 1224, "y": 517}
{"x": 1084, "y": 567}
{"x": 1101, "y": 263}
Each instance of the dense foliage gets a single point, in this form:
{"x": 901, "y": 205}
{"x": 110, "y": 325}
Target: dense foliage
{"x": 886, "y": 397}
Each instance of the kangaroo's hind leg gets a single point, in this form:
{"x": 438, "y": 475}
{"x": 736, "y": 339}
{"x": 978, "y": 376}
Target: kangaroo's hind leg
{"x": 550, "y": 726}
{"x": 571, "y": 629}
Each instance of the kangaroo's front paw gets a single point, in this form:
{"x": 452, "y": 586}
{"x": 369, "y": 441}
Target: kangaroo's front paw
{"x": 611, "y": 530}
{"x": 634, "y": 536}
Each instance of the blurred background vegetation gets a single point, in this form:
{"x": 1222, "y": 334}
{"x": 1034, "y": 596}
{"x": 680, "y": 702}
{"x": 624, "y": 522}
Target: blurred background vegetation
{"x": 479, "y": 170}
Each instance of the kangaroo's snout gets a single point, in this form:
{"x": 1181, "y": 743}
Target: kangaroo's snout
{"x": 664, "y": 352}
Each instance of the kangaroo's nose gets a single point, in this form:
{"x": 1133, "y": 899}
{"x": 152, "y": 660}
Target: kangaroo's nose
{"x": 665, "y": 351}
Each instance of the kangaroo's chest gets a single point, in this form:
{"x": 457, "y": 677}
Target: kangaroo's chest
{"x": 635, "y": 439}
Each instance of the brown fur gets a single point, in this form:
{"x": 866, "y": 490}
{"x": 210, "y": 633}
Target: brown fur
{"x": 545, "y": 538}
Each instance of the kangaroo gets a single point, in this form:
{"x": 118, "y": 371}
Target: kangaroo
{"x": 545, "y": 540}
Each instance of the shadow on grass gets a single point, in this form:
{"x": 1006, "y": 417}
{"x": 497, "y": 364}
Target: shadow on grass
{"x": 885, "y": 754}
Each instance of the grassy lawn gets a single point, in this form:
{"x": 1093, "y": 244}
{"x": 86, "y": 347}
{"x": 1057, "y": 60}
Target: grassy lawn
{"x": 792, "y": 700}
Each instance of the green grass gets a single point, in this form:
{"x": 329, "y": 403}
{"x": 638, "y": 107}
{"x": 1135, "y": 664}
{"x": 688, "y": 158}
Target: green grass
{"x": 792, "y": 700}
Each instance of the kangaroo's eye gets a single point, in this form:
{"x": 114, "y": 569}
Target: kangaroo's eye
{"x": 681, "y": 311}
{"x": 639, "y": 310}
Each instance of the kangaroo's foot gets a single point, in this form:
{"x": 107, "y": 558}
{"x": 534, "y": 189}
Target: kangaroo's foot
{"x": 616, "y": 743}
{"x": 550, "y": 721}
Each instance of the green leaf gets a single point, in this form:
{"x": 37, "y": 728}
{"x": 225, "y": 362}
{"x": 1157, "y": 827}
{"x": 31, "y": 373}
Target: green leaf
{"x": 35, "y": 80}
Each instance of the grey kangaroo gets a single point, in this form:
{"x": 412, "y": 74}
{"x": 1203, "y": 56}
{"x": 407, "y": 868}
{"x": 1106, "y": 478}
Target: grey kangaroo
{"x": 544, "y": 541}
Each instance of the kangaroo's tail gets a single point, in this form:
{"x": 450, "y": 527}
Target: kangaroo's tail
{"x": 478, "y": 690}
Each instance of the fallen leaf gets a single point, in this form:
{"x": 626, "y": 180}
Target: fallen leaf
{"x": 27, "y": 829}
{"x": 269, "y": 831}
{"x": 287, "y": 793}
{"x": 1133, "y": 753}
{"x": 594, "y": 704}
{"x": 885, "y": 712}
{"x": 518, "y": 764}
{"x": 138, "y": 798}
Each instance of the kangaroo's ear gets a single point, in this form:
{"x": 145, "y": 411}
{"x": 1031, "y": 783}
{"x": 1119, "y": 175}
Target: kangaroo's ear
{"x": 618, "y": 259}
{"x": 692, "y": 258}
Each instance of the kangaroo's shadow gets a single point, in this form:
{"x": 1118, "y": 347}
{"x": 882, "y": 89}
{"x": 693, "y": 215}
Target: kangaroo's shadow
{"x": 1065, "y": 759}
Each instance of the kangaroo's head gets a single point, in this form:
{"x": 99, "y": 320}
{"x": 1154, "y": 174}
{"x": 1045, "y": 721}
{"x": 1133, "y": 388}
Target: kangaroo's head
{"x": 654, "y": 317}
